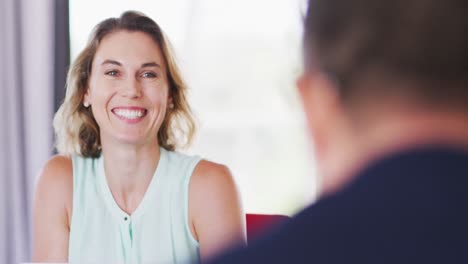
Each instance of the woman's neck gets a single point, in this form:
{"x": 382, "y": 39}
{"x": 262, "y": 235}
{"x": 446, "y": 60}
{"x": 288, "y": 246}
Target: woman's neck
{"x": 129, "y": 170}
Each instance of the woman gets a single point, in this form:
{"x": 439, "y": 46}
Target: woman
{"x": 118, "y": 192}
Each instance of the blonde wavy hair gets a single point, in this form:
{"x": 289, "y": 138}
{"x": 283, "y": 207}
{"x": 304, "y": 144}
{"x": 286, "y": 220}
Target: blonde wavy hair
{"x": 76, "y": 129}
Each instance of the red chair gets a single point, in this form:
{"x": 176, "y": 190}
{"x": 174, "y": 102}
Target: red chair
{"x": 258, "y": 224}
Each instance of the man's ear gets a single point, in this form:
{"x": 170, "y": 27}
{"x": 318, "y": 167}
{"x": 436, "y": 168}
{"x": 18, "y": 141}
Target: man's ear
{"x": 321, "y": 105}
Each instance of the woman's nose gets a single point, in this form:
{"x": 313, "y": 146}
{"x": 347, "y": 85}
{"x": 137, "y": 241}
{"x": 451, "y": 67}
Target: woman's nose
{"x": 131, "y": 88}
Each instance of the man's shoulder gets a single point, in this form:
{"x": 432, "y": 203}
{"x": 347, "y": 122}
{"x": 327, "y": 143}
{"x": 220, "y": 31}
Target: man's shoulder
{"x": 408, "y": 206}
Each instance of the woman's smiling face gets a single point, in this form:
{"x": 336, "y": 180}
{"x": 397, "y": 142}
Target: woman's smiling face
{"x": 128, "y": 88}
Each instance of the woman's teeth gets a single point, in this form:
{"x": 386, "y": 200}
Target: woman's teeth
{"x": 129, "y": 114}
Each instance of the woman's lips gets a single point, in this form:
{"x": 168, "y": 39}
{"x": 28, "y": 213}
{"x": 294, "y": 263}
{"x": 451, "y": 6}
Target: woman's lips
{"x": 130, "y": 114}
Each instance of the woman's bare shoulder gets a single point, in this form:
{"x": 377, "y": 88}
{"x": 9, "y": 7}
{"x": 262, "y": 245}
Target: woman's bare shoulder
{"x": 55, "y": 181}
{"x": 57, "y": 170}
{"x": 52, "y": 210}
{"x": 213, "y": 176}
{"x": 213, "y": 183}
{"x": 208, "y": 169}
{"x": 215, "y": 208}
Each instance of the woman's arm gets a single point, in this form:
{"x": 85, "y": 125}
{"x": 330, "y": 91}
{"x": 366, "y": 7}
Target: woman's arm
{"x": 215, "y": 209}
{"x": 52, "y": 211}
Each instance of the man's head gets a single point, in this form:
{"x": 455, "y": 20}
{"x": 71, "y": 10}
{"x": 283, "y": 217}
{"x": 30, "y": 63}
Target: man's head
{"x": 370, "y": 62}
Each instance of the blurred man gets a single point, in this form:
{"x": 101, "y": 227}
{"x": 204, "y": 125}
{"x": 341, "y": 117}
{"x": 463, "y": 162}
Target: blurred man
{"x": 385, "y": 93}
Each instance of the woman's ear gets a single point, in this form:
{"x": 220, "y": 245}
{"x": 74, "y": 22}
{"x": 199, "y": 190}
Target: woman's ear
{"x": 170, "y": 102}
{"x": 87, "y": 98}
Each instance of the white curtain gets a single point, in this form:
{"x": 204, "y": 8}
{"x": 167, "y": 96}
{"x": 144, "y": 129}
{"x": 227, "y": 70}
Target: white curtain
{"x": 26, "y": 109}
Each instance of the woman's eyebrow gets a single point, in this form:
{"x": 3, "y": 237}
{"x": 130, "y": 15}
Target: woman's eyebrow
{"x": 150, "y": 64}
{"x": 113, "y": 62}
{"x": 144, "y": 65}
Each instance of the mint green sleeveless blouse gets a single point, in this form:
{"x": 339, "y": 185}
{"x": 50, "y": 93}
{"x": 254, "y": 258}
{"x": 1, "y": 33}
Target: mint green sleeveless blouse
{"x": 156, "y": 232}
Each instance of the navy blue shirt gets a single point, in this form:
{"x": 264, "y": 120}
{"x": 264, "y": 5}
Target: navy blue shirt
{"x": 410, "y": 207}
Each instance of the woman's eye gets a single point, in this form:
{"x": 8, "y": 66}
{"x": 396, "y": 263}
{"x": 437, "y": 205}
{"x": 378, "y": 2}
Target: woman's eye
{"x": 112, "y": 73}
{"x": 149, "y": 75}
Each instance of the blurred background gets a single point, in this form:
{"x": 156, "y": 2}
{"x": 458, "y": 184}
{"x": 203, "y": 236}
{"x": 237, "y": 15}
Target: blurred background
{"x": 240, "y": 59}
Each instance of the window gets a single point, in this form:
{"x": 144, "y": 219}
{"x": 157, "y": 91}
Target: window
{"x": 240, "y": 59}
